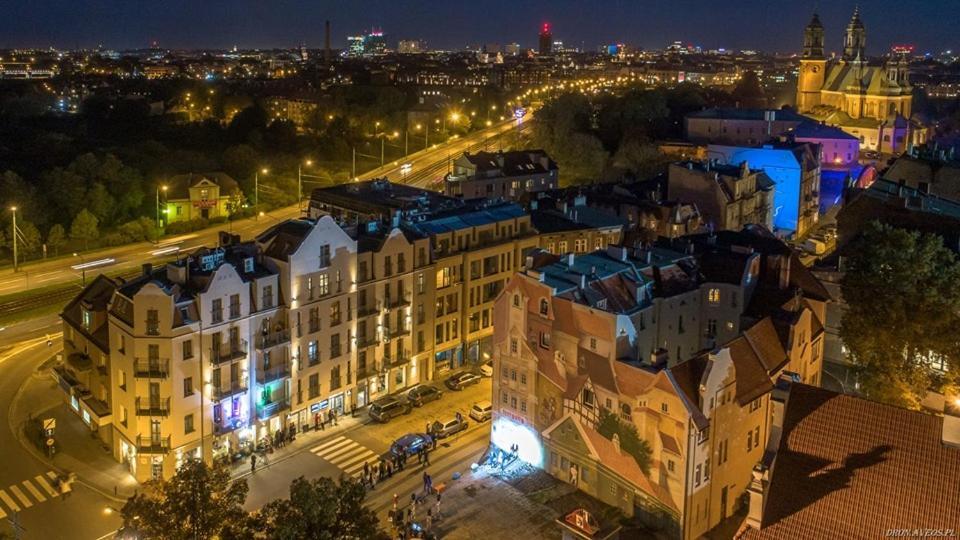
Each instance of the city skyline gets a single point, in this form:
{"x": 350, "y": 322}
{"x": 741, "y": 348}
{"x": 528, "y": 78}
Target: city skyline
{"x": 447, "y": 25}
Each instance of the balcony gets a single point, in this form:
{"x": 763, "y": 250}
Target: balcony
{"x": 229, "y": 425}
{"x": 394, "y": 361}
{"x": 153, "y": 407}
{"x": 275, "y": 373}
{"x": 366, "y": 341}
{"x": 394, "y": 334}
{"x": 393, "y": 303}
{"x": 228, "y": 351}
{"x": 235, "y": 387}
{"x": 267, "y": 410}
{"x": 369, "y": 370}
{"x": 153, "y": 445}
{"x": 273, "y": 339}
{"x": 151, "y": 368}
{"x": 366, "y": 310}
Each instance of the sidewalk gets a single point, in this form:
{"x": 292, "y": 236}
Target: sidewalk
{"x": 82, "y": 452}
{"x": 79, "y": 450}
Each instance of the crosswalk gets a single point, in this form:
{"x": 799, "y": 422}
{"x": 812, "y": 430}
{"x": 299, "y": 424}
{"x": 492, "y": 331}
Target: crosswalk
{"x": 347, "y": 455}
{"x": 17, "y": 497}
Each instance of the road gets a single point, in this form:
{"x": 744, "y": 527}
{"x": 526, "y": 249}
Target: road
{"x": 345, "y": 452}
{"x": 427, "y": 167}
{"x": 27, "y": 495}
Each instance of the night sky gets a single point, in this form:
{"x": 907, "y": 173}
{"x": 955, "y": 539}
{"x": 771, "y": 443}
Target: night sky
{"x": 771, "y": 25}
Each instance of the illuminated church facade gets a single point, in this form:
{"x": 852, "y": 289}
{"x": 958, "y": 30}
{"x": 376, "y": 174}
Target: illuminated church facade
{"x": 872, "y": 102}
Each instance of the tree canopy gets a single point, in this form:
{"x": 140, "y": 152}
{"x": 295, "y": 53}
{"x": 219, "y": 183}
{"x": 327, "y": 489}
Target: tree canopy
{"x": 630, "y": 441}
{"x": 322, "y": 509}
{"x": 902, "y": 290}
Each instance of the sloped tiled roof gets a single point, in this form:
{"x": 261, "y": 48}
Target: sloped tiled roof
{"x": 852, "y": 468}
{"x": 752, "y": 378}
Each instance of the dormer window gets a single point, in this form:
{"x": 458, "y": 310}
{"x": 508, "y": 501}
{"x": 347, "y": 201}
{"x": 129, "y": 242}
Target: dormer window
{"x": 516, "y": 300}
{"x": 713, "y": 296}
{"x": 544, "y": 307}
{"x": 86, "y": 318}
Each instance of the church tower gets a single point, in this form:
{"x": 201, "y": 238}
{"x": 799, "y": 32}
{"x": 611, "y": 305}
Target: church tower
{"x": 855, "y": 41}
{"x": 813, "y": 66}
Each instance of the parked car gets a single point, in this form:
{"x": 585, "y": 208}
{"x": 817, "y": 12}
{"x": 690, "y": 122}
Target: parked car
{"x": 421, "y": 393}
{"x": 387, "y": 408}
{"x": 481, "y": 411}
{"x": 411, "y": 443}
{"x": 462, "y": 379}
{"x": 486, "y": 368}
{"x": 444, "y": 429}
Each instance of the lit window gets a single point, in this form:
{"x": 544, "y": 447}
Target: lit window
{"x": 713, "y": 296}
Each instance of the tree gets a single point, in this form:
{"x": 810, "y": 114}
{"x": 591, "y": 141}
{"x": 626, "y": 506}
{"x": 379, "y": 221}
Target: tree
{"x": 902, "y": 290}
{"x": 85, "y": 227}
{"x": 321, "y": 508}
{"x": 197, "y": 503}
{"x": 630, "y": 441}
{"x": 748, "y": 93}
{"x": 56, "y": 238}
{"x": 641, "y": 158}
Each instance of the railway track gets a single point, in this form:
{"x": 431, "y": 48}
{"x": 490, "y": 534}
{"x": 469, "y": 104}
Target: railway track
{"x": 58, "y": 296}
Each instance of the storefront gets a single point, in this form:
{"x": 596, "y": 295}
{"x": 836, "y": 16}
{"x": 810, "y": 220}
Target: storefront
{"x": 448, "y": 360}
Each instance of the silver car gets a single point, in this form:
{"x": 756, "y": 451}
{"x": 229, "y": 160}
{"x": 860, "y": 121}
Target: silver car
{"x": 444, "y": 429}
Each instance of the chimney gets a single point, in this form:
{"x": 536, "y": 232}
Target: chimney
{"x": 756, "y": 491}
{"x": 744, "y": 169}
{"x": 326, "y": 42}
{"x": 570, "y": 260}
{"x": 583, "y": 281}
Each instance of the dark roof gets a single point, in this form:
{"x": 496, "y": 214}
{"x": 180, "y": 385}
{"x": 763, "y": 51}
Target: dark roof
{"x": 380, "y": 196}
{"x": 817, "y": 130}
{"x": 781, "y": 115}
{"x": 513, "y": 163}
{"x": 851, "y": 468}
{"x": 284, "y": 239}
{"x": 688, "y": 376}
{"x": 178, "y": 187}
{"x": 94, "y": 298}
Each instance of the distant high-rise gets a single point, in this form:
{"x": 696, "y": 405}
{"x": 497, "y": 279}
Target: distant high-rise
{"x": 546, "y": 40}
{"x": 326, "y": 42}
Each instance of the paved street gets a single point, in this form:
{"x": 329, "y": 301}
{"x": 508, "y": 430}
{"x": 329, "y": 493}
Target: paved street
{"x": 26, "y": 490}
{"x": 427, "y": 166}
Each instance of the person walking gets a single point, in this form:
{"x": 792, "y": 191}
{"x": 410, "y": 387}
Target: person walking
{"x": 253, "y": 463}
{"x": 437, "y": 507}
{"x": 426, "y": 458}
{"x": 366, "y": 468}
{"x": 425, "y": 478}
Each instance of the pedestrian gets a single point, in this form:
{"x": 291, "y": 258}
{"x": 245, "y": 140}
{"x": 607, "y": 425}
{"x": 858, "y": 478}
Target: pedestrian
{"x": 366, "y": 468}
{"x": 419, "y": 455}
{"x": 253, "y": 463}
{"x": 426, "y": 458}
{"x": 389, "y": 470}
{"x": 396, "y": 499}
{"x": 429, "y": 522}
{"x": 437, "y": 507}
{"x": 333, "y": 413}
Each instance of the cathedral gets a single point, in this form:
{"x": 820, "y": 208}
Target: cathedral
{"x": 869, "y": 101}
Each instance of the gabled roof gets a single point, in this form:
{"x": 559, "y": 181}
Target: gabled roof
{"x": 852, "y": 468}
{"x": 753, "y": 380}
{"x": 178, "y": 187}
{"x": 94, "y": 297}
{"x": 284, "y": 239}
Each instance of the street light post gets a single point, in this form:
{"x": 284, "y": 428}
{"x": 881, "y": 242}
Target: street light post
{"x": 83, "y": 269}
{"x": 159, "y": 188}
{"x": 256, "y": 186}
{"x": 16, "y": 266}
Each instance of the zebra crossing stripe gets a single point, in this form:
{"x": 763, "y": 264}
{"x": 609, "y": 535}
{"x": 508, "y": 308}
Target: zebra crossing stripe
{"x": 334, "y": 448}
{"x": 46, "y": 486}
{"x": 358, "y": 466}
{"x": 327, "y": 444}
{"x": 341, "y": 453}
{"x": 2, "y": 513}
{"x": 20, "y": 495}
{"x": 52, "y": 475}
{"x": 351, "y": 460}
{"x": 33, "y": 491}
{"x": 8, "y": 501}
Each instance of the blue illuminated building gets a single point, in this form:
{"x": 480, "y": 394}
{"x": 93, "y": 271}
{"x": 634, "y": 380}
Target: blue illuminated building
{"x": 794, "y": 168}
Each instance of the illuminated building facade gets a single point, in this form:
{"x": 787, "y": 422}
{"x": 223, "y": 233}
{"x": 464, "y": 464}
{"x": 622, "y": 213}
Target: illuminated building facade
{"x": 506, "y": 175}
{"x": 873, "y": 103}
{"x": 727, "y": 196}
{"x": 198, "y": 196}
{"x": 683, "y": 345}
{"x": 178, "y": 359}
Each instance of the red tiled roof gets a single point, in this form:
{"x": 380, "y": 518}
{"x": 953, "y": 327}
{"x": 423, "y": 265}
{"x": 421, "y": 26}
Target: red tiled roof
{"x": 765, "y": 341}
{"x": 852, "y": 468}
{"x": 633, "y": 381}
{"x": 753, "y": 380}
{"x": 599, "y": 369}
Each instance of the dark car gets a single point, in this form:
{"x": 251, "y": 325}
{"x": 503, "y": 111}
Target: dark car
{"x": 462, "y": 379}
{"x": 384, "y": 409}
{"x": 411, "y": 443}
{"x": 420, "y": 394}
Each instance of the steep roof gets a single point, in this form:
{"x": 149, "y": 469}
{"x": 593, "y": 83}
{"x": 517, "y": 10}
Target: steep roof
{"x": 94, "y": 297}
{"x": 851, "y": 468}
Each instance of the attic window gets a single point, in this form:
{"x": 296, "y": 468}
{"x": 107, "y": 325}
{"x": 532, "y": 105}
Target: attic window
{"x": 248, "y": 265}
{"x": 516, "y": 300}
{"x": 87, "y": 318}
{"x": 544, "y": 307}
{"x": 602, "y": 303}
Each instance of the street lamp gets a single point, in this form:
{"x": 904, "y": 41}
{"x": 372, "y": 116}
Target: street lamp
{"x": 83, "y": 269}
{"x": 308, "y": 163}
{"x": 16, "y": 267}
{"x": 159, "y": 189}
{"x": 256, "y": 186}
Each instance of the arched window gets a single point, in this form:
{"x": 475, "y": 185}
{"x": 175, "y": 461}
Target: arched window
{"x": 544, "y": 307}
{"x": 516, "y": 300}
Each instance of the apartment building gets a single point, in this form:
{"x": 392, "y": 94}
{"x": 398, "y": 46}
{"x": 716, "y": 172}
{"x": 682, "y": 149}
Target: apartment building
{"x": 684, "y": 344}
{"x": 728, "y": 197}
{"x": 185, "y": 380}
{"x": 505, "y": 175}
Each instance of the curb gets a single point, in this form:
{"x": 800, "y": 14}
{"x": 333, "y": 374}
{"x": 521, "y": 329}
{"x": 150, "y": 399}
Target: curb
{"x": 18, "y": 434}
